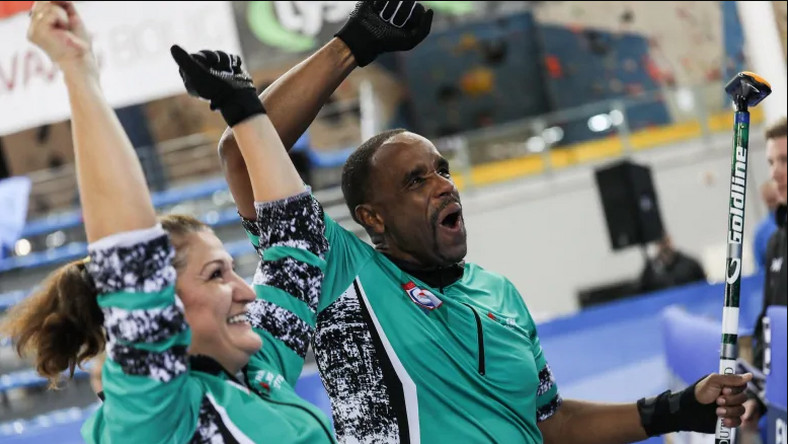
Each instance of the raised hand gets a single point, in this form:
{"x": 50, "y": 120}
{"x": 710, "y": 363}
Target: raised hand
{"x": 375, "y": 27}
{"x": 219, "y": 78}
{"x": 57, "y": 29}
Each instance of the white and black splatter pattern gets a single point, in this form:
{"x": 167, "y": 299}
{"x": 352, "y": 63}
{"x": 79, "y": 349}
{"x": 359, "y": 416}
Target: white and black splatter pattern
{"x": 546, "y": 380}
{"x": 301, "y": 280}
{"x": 210, "y": 429}
{"x": 352, "y": 372}
{"x": 295, "y": 221}
{"x": 159, "y": 366}
{"x": 143, "y": 268}
{"x": 148, "y": 326}
{"x": 281, "y": 324}
{"x": 251, "y": 226}
{"x": 549, "y": 409}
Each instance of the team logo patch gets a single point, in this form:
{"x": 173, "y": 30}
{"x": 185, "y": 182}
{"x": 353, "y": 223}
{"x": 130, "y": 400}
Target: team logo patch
{"x": 777, "y": 264}
{"x": 423, "y": 298}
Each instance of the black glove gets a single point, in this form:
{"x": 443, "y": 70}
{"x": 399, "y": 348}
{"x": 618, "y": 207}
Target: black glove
{"x": 375, "y": 27}
{"x": 677, "y": 412}
{"x": 218, "y": 77}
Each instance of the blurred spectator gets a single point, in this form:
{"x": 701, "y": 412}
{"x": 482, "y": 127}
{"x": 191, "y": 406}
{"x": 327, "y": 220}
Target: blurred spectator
{"x": 767, "y": 226}
{"x": 669, "y": 268}
{"x": 774, "y": 289}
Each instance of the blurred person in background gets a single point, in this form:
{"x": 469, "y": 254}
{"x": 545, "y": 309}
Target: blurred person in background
{"x": 669, "y": 268}
{"x": 775, "y": 291}
{"x": 413, "y": 343}
{"x": 766, "y": 228}
{"x": 183, "y": 360}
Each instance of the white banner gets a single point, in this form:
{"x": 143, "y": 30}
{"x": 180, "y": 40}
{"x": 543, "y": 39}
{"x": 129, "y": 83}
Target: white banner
{"x": 132, "y": 42}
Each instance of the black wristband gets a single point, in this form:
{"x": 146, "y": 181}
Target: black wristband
{"x": 677, "y": 412}
{"x": 240, "y": 106}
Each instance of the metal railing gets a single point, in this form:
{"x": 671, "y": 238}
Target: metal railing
{"x": 586, "y": 134}
{"x": 534, "y": 145}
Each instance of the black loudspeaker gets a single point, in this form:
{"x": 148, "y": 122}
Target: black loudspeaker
{"x": 630, "y": 204}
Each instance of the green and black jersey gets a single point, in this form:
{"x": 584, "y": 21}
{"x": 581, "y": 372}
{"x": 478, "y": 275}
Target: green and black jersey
{"x": 406, "y": 362}
{"x": 154, "y": 392}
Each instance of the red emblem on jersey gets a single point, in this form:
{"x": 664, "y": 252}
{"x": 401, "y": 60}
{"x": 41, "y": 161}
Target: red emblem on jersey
{"x": 423, "y": 298}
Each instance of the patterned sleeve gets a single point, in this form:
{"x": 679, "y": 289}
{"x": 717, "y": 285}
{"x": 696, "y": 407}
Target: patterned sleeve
{"x": 145, "y": 374}
{"x": 548, "y": 399}
{"x": 289, "y": 237}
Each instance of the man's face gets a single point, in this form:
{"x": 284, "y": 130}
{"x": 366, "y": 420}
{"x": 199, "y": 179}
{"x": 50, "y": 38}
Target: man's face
{"x": 418, "y": 208}
{"x": 776, "y": 156}
{"x": 770, "y": 195}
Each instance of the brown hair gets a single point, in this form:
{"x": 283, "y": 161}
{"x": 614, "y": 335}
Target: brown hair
{"x": 61, "y": 322}
{"x": 178, "y": 226}
{"x": 777, "y": 129}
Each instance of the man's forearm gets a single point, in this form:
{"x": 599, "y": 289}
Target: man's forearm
{"x": 592, "y": 423}
{"x": 295, "y": 98}
{"x": 292, "y": 102}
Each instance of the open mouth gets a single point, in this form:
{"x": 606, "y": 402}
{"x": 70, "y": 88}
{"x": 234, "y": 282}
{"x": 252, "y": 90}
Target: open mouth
{"x": 451, "y": 217}
{"x": 240, "y": 318}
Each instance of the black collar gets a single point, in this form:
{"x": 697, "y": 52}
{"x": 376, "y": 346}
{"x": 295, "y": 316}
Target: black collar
{"x": 438, "y": 277}
{"x": 206, "y": 364}
{"x": 780, "y": 215}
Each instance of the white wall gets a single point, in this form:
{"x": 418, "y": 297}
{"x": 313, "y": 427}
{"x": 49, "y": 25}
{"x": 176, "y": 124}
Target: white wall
{"x": 548, "y": 234}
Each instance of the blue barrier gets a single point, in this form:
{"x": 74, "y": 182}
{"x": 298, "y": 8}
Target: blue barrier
{"x": 53, "y": 222}
{"x": 627, "y": 332}
{"x": 310, "y": 387}
{"x": 65, "y": 253}
{"x": 700, "y": 298}
{"x": 71, "y": 219}
{"x": 75, "y": 250}
{"x": 691, "y": 344}
{"x": 200, "y": 190}
{"x": 234, "y": 248}
{"x": 777, "y": 430}
{"x": 172, "y": 196}
{"x": 29, "y": 378}
{"x": 776, "y": 389}
{"x": 61, "y": 426}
